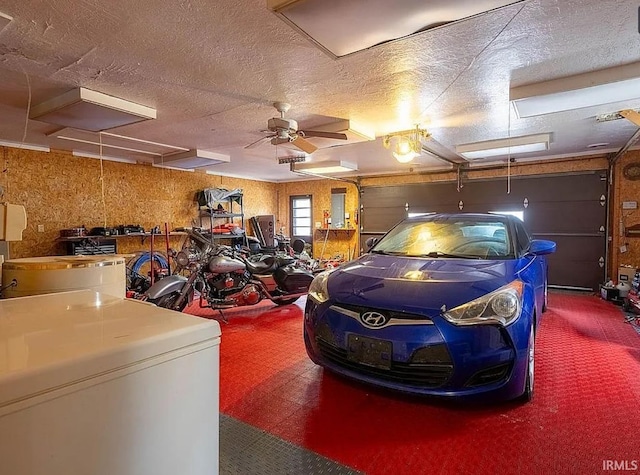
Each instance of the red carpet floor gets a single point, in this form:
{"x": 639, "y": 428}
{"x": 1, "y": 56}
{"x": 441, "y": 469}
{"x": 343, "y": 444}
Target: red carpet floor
{"x": 586, "y": 408}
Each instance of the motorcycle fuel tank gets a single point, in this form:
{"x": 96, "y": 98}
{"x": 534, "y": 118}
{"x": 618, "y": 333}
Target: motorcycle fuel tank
{"x": 223, "y": 264}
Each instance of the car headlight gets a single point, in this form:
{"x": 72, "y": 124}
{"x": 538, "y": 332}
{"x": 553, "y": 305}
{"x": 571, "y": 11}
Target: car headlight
{"x": 501, "y": 306}
{"x": 318, "y": 288}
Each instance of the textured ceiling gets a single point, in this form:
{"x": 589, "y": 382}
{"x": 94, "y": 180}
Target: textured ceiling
{"x": 213, "y": 69}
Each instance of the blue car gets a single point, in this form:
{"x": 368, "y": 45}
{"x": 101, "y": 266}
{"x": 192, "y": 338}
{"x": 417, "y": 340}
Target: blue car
{"x": 442, "y": 305}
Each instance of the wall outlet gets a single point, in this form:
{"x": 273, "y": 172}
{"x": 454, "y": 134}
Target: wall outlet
{"x": 318, "y": 224}
{"x": 40, "y": 228}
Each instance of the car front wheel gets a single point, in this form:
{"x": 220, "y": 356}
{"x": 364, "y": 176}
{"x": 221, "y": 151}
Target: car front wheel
{"x": 527, "y": 395}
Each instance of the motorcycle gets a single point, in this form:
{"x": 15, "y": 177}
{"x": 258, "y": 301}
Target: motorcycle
{"x": 225, "y": 278}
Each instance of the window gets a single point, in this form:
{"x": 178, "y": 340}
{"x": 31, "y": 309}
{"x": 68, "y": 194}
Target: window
{"x": 301, "y": 218}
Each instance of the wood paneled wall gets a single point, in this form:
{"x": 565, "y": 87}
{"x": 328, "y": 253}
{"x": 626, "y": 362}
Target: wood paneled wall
{"x": 61, "y": 191}
{"x": 624, "y": 190}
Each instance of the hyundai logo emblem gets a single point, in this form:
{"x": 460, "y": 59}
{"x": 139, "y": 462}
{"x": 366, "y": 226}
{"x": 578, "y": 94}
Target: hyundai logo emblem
{"x": 373, "y": 319}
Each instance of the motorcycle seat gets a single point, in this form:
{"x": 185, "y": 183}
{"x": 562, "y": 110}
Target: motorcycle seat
{"x": 263, "y": 266}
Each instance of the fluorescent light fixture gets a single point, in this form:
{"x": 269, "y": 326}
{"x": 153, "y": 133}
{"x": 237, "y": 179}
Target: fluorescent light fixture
{"x": 85, "y": 109}
{"x": 508, "y": 146}
{"x": 339, "y": 28}
{"x": 173, "y": 168}
{"x": 322, "y": 168}
{"x": 148, "y": 142}
{"x": 4, "y": 20}
{"x": 26, "y": 146}
{"x": 77, "y": 153}
{"x": 597, "y": 88}
{"x": 104, "y": 145}
{"x": 195, "y": 158}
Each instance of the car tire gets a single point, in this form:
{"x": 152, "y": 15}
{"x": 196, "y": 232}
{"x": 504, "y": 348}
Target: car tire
{"x": 527, "y": 395}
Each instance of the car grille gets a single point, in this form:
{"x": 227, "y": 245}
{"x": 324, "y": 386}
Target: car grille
{"x": 414, "y": 374}
{"x": 359, "y": 309}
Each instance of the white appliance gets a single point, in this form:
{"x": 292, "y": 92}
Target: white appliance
{"x": 44, "y": 275}
{"x": 94, "y": 384}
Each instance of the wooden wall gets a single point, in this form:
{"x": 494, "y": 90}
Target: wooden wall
{"x": 326, "y": 244}
{"x": 61, "y": 191}
{"x": 624, "y": 190}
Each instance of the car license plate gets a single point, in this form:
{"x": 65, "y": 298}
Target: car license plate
{"x": 369, "y": 351}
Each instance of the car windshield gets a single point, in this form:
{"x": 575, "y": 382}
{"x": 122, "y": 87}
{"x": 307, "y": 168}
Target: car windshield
{"x": 464, "y": 238}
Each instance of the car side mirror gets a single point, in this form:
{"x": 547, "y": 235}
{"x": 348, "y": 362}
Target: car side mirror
{"x": 540, "y": 247}
{"x": 370, "y": 242}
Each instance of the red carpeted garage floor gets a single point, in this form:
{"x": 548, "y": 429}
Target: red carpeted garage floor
{"x": 586, "y": 409}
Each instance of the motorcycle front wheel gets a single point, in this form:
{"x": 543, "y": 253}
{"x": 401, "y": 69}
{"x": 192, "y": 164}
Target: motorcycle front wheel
{"x": 169, "y": 301}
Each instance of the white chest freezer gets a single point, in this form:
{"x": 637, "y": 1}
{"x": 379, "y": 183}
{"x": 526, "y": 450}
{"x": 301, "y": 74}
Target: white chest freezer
{"x": 95, "y": 384}
{"x": 50, "y": 274}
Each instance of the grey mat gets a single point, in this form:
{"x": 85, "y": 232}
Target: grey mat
{"x": 244, "y": 449}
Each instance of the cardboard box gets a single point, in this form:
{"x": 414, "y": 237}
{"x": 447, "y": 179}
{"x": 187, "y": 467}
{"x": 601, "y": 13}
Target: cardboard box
{"x": 626, "y": 274}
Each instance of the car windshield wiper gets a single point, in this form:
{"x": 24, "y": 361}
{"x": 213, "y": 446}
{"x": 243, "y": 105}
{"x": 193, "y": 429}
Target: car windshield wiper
{"x": 444, "y": 254}
{"x": 387, "y": 253}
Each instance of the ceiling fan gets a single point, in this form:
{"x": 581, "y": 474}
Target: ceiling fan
{"x": 282, "y": 130}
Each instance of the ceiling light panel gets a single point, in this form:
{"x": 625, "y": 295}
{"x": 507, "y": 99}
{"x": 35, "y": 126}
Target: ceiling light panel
{"x": 4, "y": 20}
{"x": 597, "y": 88}
{"x": 26, "y": 146}
{"x": 191, "y": 159}
{"x": 88, "y": 141}
{"x": 85, "y": 109}
{"x": 325, "y": 167}
{"x": 503, "y": 147}
{"x": 340, "y": 28}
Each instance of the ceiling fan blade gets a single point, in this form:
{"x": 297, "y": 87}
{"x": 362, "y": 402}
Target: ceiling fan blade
{"x": 258, "y": 142}
{"x": 320, "y": 133}
{"x": 303, "y": 144}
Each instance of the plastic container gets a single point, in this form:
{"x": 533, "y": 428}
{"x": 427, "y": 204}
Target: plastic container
{"x": 623, "y": 289}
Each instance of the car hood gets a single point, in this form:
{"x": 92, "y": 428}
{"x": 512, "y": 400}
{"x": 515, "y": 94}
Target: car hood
{"x": 415, "y": 284}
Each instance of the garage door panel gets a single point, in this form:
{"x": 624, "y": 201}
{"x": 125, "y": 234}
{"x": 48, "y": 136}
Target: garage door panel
{"x": 381, "y": 219}
{"x": 577, "y": 187}
{"x": 577, "y": 217}
{"x": 574, "y": 274}
{"x": 575, "y": 248}
{"x": 563, "y": 208}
